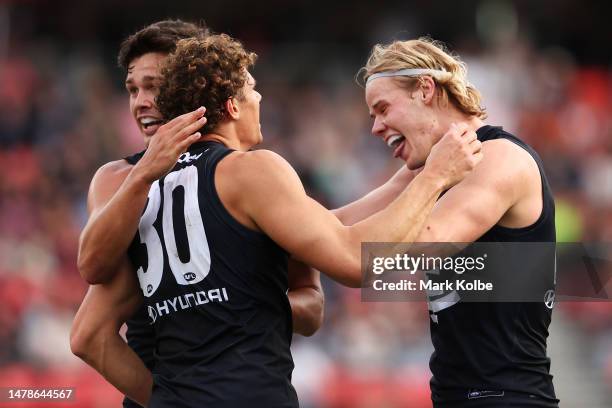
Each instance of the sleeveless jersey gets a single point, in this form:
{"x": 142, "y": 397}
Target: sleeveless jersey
{"x": 215, "y": 294}
{"x": 485, "y": 352}
{"x": 140, "y": 334}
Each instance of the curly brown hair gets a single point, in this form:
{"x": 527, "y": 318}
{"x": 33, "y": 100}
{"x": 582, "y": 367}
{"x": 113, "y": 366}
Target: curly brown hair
{"x": 203, "y": 72}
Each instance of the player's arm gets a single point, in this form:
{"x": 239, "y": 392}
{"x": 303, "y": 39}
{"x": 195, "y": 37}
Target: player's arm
{"x": 115, "y": 203}
{"x": 306, "y": 298}
{"x": 375, "y": 200}
{"x": 311, "y": 233}
{"x": 118, "y": 194}
{"x": 314, "y": 235}
{"x": 95, "y": 334}
{"x": 472, "y": 207}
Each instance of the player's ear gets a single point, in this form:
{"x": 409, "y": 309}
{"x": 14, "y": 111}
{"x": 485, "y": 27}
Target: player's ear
{"x": 427, "y": 89}
{"x": 232, "y": 109}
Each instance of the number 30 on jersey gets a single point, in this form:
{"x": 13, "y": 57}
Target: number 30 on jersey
{"x": 198, "y": 266}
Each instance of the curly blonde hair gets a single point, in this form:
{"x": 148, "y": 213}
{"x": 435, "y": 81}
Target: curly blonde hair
{"x": 429, "y": 54}
{"x": 203, "y": 72}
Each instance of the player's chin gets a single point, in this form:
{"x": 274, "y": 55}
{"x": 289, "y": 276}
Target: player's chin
{"x": 412, "y": 162}
{"x": 146, "y": 136}
{"x": 407, "y": 157}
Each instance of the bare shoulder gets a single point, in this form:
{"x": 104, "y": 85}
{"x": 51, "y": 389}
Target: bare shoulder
{"x": 259, "y": 159}
{"x": 246, "y": 182}
{"x": 501, "y": 148}
{"x": 256, "y": 176}
{"x": 504, "y": 158}
{"x": 514, "y": 173}
{"x": 117, "y": 165}
{"x": 110, "y": 175}
{"x": 114, "y": 168}
{"x": 106, "y": 181}
{"x": 258, "y": 166}
{"x": 506, "y": 171}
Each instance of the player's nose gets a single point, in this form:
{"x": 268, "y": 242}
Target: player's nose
{"x": 145, "y": 100}
{"x": 378, "y": 128}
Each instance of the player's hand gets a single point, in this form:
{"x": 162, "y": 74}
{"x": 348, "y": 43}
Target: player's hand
{"x": 455, "y": 155}
{"x": 169, "y": 142}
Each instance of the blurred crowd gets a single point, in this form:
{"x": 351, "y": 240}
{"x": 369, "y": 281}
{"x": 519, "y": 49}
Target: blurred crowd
{"x": 63, "y": 114}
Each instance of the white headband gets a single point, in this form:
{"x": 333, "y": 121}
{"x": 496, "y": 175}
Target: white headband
{"x": 407, "y": 72}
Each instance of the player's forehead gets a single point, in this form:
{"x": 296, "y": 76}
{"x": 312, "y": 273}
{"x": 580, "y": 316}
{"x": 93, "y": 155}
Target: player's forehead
{"x": 379, "y": 91}
{"x": 145, "y": 67}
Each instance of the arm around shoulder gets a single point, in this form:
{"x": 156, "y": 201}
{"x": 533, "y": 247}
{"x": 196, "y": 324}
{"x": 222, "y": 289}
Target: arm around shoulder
{"x": 115, "y": 201}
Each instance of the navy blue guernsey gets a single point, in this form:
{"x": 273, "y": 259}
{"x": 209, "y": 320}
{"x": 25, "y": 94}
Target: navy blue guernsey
{"x": 490, "y": 354}
{"x": 140, "y": 334}
{"x": 215, "y": 294}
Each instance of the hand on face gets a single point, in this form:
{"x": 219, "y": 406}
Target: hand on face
{"x": 455, "y": 155}
{"x": 170, "y": 141}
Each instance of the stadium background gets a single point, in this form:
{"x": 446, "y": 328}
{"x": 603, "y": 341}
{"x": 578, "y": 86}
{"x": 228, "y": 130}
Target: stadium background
{"x": 544, "y": 70}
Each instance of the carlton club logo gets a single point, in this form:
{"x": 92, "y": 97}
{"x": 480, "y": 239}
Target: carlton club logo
{"x": 152, "y": 314}
{"x": 549, "y": 298}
